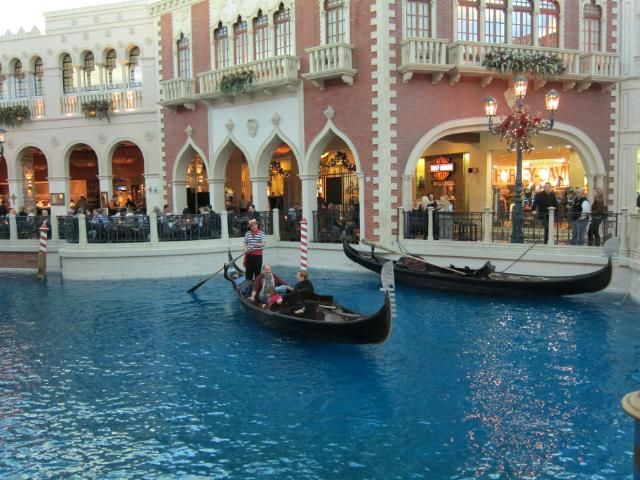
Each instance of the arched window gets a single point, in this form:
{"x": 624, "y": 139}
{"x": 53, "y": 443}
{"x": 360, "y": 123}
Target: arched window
{"x": 110, "y": 67}
{"x": 335, "y": 21}
{"x": 467, "y": 20}
{"x": 592, "y": 32}
{"x": 134, "y": 68}
{"x": 184, "y": 57}
{"x": 88, "y": 67}
{"x": 495, "y": 21}
{"x": 261, "y": 36}
{"x": 418, "y": 18}
{"x": 19, "y": 81}
{"x": 241, "y": 42}
{"x": 221, "y": 38}
{"x": 282, "y": 21}
{"x": 548, "y": 24}
{"x": 38, "y": 77}
{"x": 522, "y": 22}
{"x": 67, "y": 74}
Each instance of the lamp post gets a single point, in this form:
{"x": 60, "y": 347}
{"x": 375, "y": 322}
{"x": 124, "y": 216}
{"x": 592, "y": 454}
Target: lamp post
{"x": 516, "y": 131}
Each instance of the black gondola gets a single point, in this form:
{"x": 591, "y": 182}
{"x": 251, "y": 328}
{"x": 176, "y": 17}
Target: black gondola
{"x": 484, "y": 280}
{"x": 316, "y": 316}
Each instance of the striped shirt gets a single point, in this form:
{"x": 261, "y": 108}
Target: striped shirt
{"x": 254, "y": 242}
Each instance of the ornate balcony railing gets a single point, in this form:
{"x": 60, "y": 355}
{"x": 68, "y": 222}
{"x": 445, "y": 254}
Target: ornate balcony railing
{"x": 330, "y": 61}
{"x": 424, "y": 55}
{"x": 267, "y": 74}
{"x": 121, "y": 100}
{"x": 600, "y": 65}
{"x": 178, "y": 91}
{"x": 35, "y": 104}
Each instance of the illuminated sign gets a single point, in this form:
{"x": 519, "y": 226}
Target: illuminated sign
{"x": 446, "y": 167}
{"x": 441, "y": 168}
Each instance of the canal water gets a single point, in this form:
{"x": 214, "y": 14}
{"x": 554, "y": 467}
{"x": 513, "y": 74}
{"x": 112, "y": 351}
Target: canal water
{"x": 137, "y": 379}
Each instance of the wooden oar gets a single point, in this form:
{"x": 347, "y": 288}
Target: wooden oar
{"x": 419, "y": 259}
{"x": 199, "y": 284}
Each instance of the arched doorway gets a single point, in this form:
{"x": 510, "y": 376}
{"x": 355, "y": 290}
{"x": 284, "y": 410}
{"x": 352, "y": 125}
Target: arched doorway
{"x": 35, "y": 178}
{"x": 197, "y": 184}
{"x": 238, "y": 192}
{"x": 127, "y": 168}
{"x": 84, "y": 186}
{"x": 283, "y": 188}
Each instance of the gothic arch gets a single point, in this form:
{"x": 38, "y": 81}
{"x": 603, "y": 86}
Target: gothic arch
{"x": 221, "y": 157}
{"x": 105, "y": 163}
{"x": 317, "y": 146}
{"x": 183, "y": 157}
{"x": 265, "y": 152}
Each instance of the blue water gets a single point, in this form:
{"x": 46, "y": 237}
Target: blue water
{"x": 137, "y": 379}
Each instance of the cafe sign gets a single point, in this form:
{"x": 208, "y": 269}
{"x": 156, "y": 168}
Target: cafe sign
{"x": 441, "y": 168}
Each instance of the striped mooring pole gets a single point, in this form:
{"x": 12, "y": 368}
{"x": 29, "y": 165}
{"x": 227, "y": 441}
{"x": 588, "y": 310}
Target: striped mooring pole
{"x": 631, "y": 405}
{"x": 303, "y": 244}
{"x": 42, "y": 254}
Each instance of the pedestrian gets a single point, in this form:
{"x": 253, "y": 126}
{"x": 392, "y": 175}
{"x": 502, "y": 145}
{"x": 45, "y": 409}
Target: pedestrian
{"x": 254, "y": 243}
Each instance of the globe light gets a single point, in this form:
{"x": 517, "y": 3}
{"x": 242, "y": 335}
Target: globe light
{"x": 552, "y": 100}
{"x": 520, "y": 87}
{"x": 490, "y": 107}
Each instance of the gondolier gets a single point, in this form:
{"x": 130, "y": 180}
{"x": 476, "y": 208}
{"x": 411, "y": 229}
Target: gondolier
{"x": 254, "y": 243}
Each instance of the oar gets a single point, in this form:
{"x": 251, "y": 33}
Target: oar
{"x": 199, "y": 284}
{"x": 373, "y": 244}
{"x": 516, "y": 260}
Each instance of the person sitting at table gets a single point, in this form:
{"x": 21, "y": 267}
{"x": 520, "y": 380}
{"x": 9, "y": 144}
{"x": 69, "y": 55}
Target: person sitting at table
{"x": 264, "y": 282}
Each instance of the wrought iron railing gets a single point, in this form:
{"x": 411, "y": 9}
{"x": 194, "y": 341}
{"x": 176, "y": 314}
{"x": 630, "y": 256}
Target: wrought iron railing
{"x": 5, "y": 230}
{"x": 68, "y": 229}
{"x": 289, "y": 227}
{"x": 114, "y": 229}
{"x": 29, "y": 227}
{"x": 332, "y": 225}
{"x": 173, "y": 228}
{"x": 463, "y": 226}
{"x": 239, "y": 223}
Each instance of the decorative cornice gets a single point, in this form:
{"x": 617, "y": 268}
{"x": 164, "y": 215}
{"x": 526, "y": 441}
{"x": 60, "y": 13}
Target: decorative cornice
{"x": 165, "y": 6}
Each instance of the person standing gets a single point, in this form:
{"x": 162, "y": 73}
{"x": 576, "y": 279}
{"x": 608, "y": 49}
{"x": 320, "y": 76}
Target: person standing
{"x": 580, "y": 211}
{"x": 541, "y": 203}
{"x": 598, "y": 212}
{"x": 254, "y": 243}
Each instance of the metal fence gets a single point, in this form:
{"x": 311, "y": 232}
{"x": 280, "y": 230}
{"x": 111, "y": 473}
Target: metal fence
{"x": 173, "y": 228}
{"x": 114, "y": 229}
{"x": 239, "y": 223}
{"x": 332, "y": 225}
{"x": 289, "y": 227}
{"x": 68, "y": 229}
{"x": 462, "y": 226}
{"x": 5, "y": 230}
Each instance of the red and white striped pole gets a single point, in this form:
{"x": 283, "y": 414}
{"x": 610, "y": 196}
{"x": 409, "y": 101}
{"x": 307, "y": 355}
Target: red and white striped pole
{"x": 42, "y": 254}
{"x": 303, "y": 244}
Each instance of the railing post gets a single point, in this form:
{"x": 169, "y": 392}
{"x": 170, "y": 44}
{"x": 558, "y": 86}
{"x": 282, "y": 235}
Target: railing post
{"x": 276, "y": 224}
{"x": 224, "y": 225}
{"x": 486, "y": 222}
{"x": 13, "y": 227}
{"x": 82, "y": 229}
{"x": 622, "y": 231}
{"x": 551, "y": 226}
{"x": 153, "y": 228}
{"x": 401, "y": 223}
{"x": 53, "y": 220}
{"x": 430, "y": 223}
{"x": 631, "y": 405}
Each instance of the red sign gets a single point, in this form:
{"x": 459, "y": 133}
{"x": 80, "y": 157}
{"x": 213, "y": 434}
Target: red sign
{"x": 441, "y": 168}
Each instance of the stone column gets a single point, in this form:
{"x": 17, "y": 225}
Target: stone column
{"x": 276, "y": 224}
{"x": 179, "y": 196}
{"x": 15, "y": 192}
{"x": 154, "y": 191}
{"x": 259, "y": 189}
{"x": 13, "y": 227}
{"x": 407, "y": 192}
{"x": 309, "y": 200}
{"x": 55, "y": 234}
{"x": 224, "y": 225}
{"x": 401, "y": 233}
{"x": 216, "y": 193}
{"x": 59, "y": 186}
{"x": 623, "y": 219}
{"x": 486, "y": 222}
{"x": 82, "y": 229}
{"x": 429, "y": 224}
{"x": 551, "y": 226}
{"x": 153, "y": 227}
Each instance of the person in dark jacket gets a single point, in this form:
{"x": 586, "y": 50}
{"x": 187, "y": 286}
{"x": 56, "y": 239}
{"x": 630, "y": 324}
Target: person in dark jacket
{"x": 302, "y": 282}
{"x": 541, "y": 202}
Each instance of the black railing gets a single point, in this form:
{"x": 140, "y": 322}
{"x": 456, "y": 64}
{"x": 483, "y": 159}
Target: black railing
{"x": 463, "y": 226}
{"x": 5, "y": 230}
{"x": 29, "y": 226}
{"x": 332, "y": 225}
{"x": 173, "y": 228}
{"x": 239, "y": 223}
{"x": 68, "y": 229}
{"x": 131, "y": 229}
{"x": 290, "y": 227}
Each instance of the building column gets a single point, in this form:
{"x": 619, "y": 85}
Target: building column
{"x": 309, "y": 194}
{"x": 154, "y": 192}
{"x": 216, "y": 193}
{"x": 407, "y": 192}
{"x": 59, "y": 193}
{"x": 259, "y": 189}
{"x": 28, "y": 186}
{"x": 15, "y": 192}
{"x": 179, "y": 196}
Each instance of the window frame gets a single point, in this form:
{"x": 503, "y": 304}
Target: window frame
{"x": 422, "y": 26}
{"x": 523, "y": 13}
{"x": 591, "y": 34}
{"x": 68, "y": 77}
{"x": 183, "y": 56}
{"x": 222, "y": 46}
{"x": 467, "y": 34}
{"x": 110, "y": 64}
{"x": 497, "y": 9}
{"x": 261, "y": 36}
{"x": 336, "y": 13}
{"x": 240, "y": 42}
{"x": 38, "y": 77}
{"x": 134, "y": 70}
{"x": 283, "y": 33}
{"x": 547, "y": 16}
{"x": 19, "y": 83}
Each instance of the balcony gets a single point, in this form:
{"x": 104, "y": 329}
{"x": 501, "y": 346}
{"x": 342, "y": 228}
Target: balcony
{"x": 179, "y": 92}
{"x": 121, "y": 100}
{"x": 268, "y": 74}
{"x": 424, "y": 55}
{"x": 330, "y": 61}
{"x": 457, "y": 59}
{"x": 35, "y": 104}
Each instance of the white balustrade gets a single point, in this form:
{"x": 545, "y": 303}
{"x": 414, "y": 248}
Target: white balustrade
{"x": 178, "y": 88}
{"x": 600, "y": 64}
{"x": 328, "y": 58}
{"x": 34, "y": 104}
{"x": 432, "y": 51}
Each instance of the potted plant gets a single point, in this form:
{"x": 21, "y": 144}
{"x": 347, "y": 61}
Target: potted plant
{"x": 236, "y": 83}
{"x": 537, "y": 64}
{"x": 97, "y": 109}
{"x": 14, "y": 115}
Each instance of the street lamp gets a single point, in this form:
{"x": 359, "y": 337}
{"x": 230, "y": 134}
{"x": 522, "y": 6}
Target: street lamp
{"x": 516, "y": 131}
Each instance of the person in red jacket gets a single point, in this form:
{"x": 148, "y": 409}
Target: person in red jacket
{"x": 266, "y": 281}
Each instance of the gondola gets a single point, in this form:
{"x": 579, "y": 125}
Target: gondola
{"x": 484, "y": 280}
{"x": 317, "y": 316}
